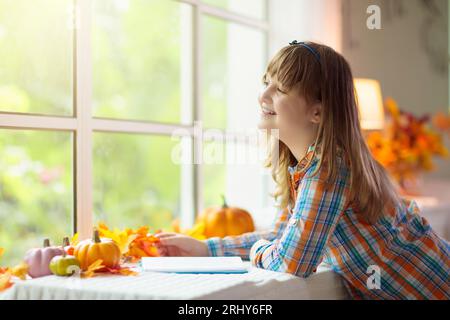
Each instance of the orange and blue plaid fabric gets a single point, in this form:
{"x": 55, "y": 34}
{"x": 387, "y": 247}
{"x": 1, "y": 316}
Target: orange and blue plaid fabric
{"x": 412, "y": 260}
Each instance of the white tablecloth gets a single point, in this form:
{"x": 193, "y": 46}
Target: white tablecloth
{"x": 256, "y": 284}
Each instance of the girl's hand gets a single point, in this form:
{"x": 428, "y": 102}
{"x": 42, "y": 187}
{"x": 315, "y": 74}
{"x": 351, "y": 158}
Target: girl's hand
{"x": 180, "y": 245}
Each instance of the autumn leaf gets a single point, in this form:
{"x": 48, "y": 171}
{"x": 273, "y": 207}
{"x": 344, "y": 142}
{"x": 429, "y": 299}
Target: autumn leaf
{"x": 392, "y": 107}
{"x": 74, "y": 241}
{"x": 20, "y": 271}
{"x": 95, "y": 266}
{"x": 5, "y": 275}
{"x": 142, "y": 231}
{"x": 124, "y": 271}
{"x": 197, "y": 231}
{"x": 127, "y": 272}
{"x": 143, "y": 246}
{"x": 122, "y": 238}
{"x": 5, "y": 280}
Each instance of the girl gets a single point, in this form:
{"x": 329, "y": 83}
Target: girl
{"x": 337, "y": 203}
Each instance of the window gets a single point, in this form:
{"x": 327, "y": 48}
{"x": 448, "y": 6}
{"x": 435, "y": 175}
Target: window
{"x": 137, "y": 48}
{"x": 143, "y": 164}
{"x": 231, "y": 71}
{"x": 36, "y": 77}
{"x": 91, "y": 94}
{"x": 36, "y": 186}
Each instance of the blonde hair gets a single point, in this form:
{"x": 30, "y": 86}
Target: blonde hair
{"x": 330, "y": 81}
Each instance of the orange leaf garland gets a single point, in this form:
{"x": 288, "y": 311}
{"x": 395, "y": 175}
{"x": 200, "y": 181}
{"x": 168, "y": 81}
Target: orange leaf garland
{"x": 408, "y": 143}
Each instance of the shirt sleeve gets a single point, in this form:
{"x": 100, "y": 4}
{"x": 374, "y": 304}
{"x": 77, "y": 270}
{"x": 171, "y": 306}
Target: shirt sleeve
{"x": 302, "y": 245}
{"x": 241, "y": 245}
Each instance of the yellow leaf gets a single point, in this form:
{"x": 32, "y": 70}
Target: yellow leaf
{"x": 127, "y": 272}
{"x": 197, "y": 231}
{"x": 126, "y": 245}
{"x": 123, "y": 238}
{"x": 20, "y": 271}
{"x": 98, "y": 264}
{"x": 1, "y": 252}
{"x": 74, "y": 241}
{"x": 132, "y": 243}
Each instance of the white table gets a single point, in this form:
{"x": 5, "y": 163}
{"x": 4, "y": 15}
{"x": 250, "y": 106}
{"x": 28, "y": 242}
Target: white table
{"x": 256, "y": 284}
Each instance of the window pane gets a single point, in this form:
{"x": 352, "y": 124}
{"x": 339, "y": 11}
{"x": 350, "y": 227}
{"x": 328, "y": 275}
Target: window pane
{"x": 36, "y": 56}
{"x": 141, "y": 185}
{"x": 251, "y": 8}
{"x": 232, "y": 169}
{"x": 138, "y": 53}
{"x": 233, "y": 63}
{"x": 36, "y": 190}
{"x": 214, "y": 173}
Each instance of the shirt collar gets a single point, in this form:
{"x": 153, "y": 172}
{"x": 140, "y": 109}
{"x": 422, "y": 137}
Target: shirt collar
{"x": 303, "y": 162}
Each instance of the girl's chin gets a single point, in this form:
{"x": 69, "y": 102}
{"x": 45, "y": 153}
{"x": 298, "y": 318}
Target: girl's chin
{"x": 266, "y": 124}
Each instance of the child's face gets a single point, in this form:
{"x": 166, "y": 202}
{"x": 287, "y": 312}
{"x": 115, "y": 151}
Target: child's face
{"x": 288, "y": 112}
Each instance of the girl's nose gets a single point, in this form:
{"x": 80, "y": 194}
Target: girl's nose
{"x": 264, "y": 96}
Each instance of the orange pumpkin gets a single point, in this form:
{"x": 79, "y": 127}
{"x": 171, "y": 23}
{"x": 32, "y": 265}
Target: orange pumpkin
{"x": 90, "y": 250}
{"x": 225, "y": 221}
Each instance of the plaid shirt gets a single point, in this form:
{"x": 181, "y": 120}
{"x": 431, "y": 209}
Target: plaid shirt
{"x": 413, "y": 262}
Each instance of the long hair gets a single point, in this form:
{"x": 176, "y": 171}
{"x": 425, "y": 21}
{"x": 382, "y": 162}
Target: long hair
{"x": 330, "y": 81}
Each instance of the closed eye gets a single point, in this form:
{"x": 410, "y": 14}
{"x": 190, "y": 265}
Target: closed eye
{"x": 279, "y": 90}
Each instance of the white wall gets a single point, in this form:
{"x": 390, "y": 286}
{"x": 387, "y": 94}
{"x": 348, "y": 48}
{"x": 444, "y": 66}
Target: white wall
{"x": 404, "y": 55}
{"x": 318, "y": 20}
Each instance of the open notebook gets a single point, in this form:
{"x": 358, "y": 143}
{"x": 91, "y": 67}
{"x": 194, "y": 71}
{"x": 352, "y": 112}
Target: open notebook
{"x": 194, "y": 264}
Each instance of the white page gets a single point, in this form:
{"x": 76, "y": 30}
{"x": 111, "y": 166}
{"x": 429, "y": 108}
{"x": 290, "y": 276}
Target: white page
{"x": 194, "y": 264}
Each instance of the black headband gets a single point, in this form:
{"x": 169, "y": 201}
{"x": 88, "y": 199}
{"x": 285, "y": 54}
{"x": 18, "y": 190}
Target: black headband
{"x": 311, "y": 49}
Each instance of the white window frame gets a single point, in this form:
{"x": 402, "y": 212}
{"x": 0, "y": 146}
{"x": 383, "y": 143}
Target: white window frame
{"x": 82, "y": 124}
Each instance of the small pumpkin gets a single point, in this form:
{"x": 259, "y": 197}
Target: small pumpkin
{"x": 69, "y": 249}
{"x": 225, "y": 221}
{"x": 64, "y": 265}
{"x": 91, "y": 250}
{"x": 38, "y": 259}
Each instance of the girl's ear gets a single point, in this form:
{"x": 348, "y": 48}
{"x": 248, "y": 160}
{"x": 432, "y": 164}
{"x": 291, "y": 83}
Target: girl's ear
{"x": 316, "y": 113}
